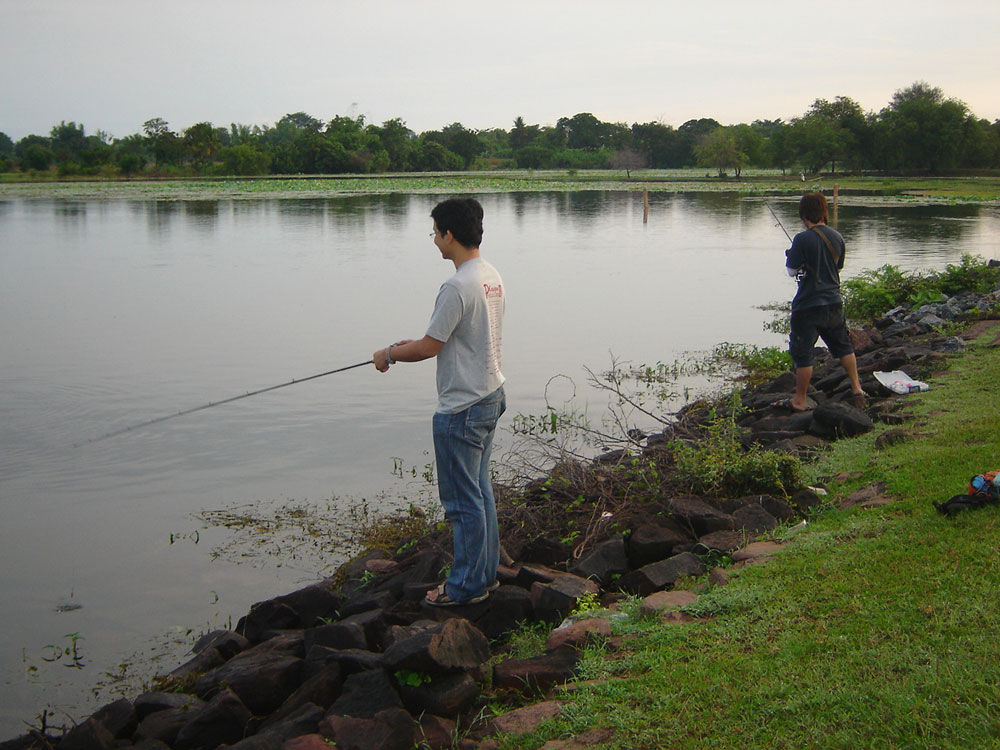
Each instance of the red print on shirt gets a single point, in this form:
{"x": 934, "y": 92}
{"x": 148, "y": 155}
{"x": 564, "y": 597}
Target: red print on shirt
{"x": 493, "y": 291}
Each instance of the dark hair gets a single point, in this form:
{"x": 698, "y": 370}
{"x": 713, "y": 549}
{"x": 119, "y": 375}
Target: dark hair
{"x": 463, "y": 217}
{"x": 813, "y": 207}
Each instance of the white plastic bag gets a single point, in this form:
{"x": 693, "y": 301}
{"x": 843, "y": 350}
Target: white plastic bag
{"x": 898, "y": 381}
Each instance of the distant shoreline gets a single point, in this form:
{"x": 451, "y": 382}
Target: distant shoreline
{"x": 910, "y": 189}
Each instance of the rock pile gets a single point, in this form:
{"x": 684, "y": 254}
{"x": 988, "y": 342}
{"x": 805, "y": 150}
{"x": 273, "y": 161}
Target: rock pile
{"x": 366, "y": 665}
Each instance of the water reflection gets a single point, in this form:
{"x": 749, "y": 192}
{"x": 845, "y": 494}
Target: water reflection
{"x": 204, "y": 214}
{"x": 70, "y": 210}
{"x": 159, "y": 215}
{"x": 916, "y": 224}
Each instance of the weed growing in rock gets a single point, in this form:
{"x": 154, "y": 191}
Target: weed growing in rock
{"x": 757, "y": 363}
{"x": 719, "y": 465}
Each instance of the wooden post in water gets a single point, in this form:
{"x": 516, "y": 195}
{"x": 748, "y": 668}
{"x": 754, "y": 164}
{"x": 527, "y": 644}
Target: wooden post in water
{"x": 645, "y": 206}
{"x": 836, "y": 198}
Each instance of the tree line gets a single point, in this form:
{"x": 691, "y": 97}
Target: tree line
{"x": 920, "y": 129}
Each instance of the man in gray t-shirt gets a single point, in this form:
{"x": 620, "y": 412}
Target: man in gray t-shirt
{"x": 465, "y": 333}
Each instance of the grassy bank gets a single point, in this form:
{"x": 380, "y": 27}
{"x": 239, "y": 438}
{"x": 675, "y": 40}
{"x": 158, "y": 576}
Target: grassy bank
{"x": 923, "y": 189}
{"x": 874, "y": 628}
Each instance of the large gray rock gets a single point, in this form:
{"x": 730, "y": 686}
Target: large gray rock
{"x": 604, "y": 562}
{"x": 391, "y": 729}
{"x": 698, "y": 515}
{"x": 262, "y": 680}
{"x": 509, "y": 606}
{"x": 456, "y": 644}
{"x": 204, "y": 661}
{"x": 336, "y": 635}
{"x": 226, "y": 642}
{"x": 537, "y": 674}
{"x": 162, "y": 725}
{"x": 118, "y": 717}
{"x": 722, "y": 541}
{"x": 365, "y": 602}
{"x": 223, "y": 721}
{"x": 155, "y": 701}
{"x": 303, "y": 720}
{"x": 553, "y": 601}
{"x": 350, "y": 660}
{"x": 365, "y": 694}
{"x": 88, "y": 735}
{"x": 445, "y": 695}
{"x": 661, "y": 575}
{"x": 374, "y": 624}
{"x": 651, "y": 542}
{"x": 837, "y": 420}
{"x": 753, "y": 520}
{"x": 322, "y": 689}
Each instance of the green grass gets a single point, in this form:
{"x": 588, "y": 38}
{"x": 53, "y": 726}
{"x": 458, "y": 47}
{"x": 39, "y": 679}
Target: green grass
{"x": 876, "y": 628}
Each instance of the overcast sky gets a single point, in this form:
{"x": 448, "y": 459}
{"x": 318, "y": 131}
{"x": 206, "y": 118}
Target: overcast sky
{"x": 113, "y": 64}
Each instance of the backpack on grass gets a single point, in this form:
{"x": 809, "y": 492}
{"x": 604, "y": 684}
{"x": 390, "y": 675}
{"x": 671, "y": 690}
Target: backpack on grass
{"x": 984, "y": 489}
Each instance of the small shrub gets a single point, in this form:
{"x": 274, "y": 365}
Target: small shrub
{"x": 872, "y": 293}
{"x": 759, "y": 363}
{"x": 719, "y": 465}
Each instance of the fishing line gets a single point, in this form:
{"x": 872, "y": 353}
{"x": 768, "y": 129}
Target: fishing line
{"x": 123, "y": 430}
{"x": 768, "y": 204}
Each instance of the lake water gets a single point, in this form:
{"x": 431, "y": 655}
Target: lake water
{"x": 116, "y": 312}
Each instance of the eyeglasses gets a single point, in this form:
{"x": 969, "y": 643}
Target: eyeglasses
{"x": 432, "y": 234}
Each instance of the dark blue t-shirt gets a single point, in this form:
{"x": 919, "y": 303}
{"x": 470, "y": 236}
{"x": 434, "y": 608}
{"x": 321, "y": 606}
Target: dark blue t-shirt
{"x": 819, "y": 277}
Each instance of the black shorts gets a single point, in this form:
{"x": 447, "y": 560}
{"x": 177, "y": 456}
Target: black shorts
{"x": 812, "y": 323}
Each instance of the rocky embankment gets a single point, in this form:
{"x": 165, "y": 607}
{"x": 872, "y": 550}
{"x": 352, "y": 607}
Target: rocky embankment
{"x": 357, "y": 660}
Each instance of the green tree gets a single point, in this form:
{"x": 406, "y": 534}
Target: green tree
{"x": 241, "y": 134}
{"x": 131, "y": 154}
{"x": 583, "y": 131}
{"x": 689, "y": 135}
{"x": 244, "y": 159}
{"x": 434, "y": 157}
{"x": 495, "y": 143}
{"x": 460, "y": 140}
{"x": 38, "y": 157}
{"x": 777, "y": 151}
{"x": 166, "y": 147}
{"x": 752, "y": 144}
{"x": 815, "y": 141}
{"x": 398, "y": 142}
{"x": 848, "y": 128}
{"x": 718, "y": 149}
{"x": 522, "y": 135}
{"x": 535, "y": 156}
{"x": 658, "y": 142}
{"x": 201, "y": 142}
{"x": 927, "y": 129}
{"x": 302, "y": 121}
{"x": 6, "y": 145}
{"x": 67, "y": 140}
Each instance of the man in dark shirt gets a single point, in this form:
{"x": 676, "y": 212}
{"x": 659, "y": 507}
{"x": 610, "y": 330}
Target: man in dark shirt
{"x": 815, "y": 259}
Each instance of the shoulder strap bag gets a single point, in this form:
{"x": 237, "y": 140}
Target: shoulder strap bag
{"x": 829, "y": 245}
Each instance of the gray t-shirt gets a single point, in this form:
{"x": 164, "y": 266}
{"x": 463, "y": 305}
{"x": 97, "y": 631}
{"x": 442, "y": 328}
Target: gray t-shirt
{"x": 468, "y": 318}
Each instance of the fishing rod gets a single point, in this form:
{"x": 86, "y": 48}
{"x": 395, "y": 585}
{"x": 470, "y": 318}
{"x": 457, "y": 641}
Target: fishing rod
{"x": 768, "y": 204}
{"x": 123, "y": 430}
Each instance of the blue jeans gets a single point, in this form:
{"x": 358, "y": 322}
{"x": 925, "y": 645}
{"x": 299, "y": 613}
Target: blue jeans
{"x": 462, "y": 445}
